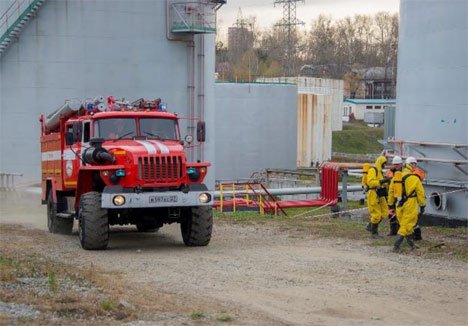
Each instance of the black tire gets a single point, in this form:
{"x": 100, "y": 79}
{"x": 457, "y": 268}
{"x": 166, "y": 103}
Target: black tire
{"x": 196, "y": 226}
{"x": 54, "y": 223}
{"x": 93, "y": 222}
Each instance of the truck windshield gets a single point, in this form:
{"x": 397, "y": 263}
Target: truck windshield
{"x": 116, "y": 128}
{"x": 158, "y": 128}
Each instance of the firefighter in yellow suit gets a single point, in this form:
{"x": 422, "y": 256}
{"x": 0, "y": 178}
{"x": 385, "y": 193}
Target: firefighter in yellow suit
{"x": 376, "y": 195}
{"x": 412, "y": 203}
{"x": 394, "y": 194}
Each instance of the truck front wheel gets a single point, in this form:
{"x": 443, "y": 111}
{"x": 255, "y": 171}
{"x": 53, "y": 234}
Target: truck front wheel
{"x": 93, "y": 222}
{"x": 196, "y": 225}
{"x": 54, "y": 223}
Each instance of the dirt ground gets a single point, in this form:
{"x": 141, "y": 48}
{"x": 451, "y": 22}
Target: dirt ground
{"x": 253, "y": 274}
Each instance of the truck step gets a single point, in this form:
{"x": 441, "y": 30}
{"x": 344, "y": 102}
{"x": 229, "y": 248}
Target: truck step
{"x": 65, "y": 215}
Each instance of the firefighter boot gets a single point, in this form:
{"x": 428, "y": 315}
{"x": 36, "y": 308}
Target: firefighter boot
{"x": 397, "y": 244}
{"x": 368, "y": 227}
{"x": 417, "y": 233}
{"x": 375, "y": 231}
{"x": 410, "y": 241}
{"x": 394, "y": 226}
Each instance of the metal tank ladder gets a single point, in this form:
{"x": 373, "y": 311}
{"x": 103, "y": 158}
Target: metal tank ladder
{"x": 14, "y": 19}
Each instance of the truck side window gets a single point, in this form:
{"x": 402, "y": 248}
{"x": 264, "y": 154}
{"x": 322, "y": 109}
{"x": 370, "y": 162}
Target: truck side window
{"x": 86, "y": 131}
{"x": 70, "y": 130}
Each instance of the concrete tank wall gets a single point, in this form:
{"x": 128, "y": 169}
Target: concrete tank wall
{"x": 255, "y": 129}
{"x": 4, "y": 5}
{"x": 80, "y": 49}
{"x": 314, "y": 130}
{"x": 432, "y": 97}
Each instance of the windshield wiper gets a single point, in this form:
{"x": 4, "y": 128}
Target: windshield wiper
{"x": 124, "y": 135}
{"x": 152, "y": 135}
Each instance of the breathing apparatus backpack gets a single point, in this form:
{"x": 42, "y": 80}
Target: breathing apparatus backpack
{"x": 365, "y": 170}
{"x": 398, "y": 185}
{"x": 404, "y": 195}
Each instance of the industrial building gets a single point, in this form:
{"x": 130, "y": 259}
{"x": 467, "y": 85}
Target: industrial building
{"x": 358, "y": 107}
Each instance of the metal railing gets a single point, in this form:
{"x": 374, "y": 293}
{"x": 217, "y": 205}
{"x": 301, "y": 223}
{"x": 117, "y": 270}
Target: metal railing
{"x": 7, "y": 180}
{"x": 193, "y": 17}
{"x": 13, "y": 16}
{"x": 252, "y": 194}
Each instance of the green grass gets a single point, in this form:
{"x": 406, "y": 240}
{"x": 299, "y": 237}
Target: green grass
{"x": 357, "y": 138}
{"x": 108, "y": 305}
{"x": 198, "y": 315}
{"x": 52, "y": 281}
{"x": 225, "y": 318}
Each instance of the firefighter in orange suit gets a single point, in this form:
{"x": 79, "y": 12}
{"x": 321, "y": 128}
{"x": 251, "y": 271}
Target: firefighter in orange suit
{"x": 412, "y": 203}
{"x": 376, "y": 195}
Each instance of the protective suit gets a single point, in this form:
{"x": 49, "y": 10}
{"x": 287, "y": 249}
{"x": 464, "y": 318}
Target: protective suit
{"x": 392, "y": 203}
{"x": 409, "y": 169}
{"x": 376, "y": 195}
{"x": 414, "y": 198}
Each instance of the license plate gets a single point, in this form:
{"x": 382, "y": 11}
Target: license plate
{"x": 163, "y": 199}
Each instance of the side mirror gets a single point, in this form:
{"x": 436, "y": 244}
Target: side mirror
{"x": 69, "y": 138}
{"x": 76, "y": 130}
{"x": 201, "y": 131}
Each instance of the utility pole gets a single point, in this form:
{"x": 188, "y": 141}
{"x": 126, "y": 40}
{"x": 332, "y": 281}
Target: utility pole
{"x": 289, "y": 23}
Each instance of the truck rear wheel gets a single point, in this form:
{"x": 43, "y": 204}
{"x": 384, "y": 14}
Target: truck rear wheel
{"x": 196, "y": 226}
{"x": 54, "y": 223}
{"x": 93, "y": 222}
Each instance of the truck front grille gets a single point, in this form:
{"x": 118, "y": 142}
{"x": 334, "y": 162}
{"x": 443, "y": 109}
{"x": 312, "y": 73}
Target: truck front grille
{"x": 160, "y": 169}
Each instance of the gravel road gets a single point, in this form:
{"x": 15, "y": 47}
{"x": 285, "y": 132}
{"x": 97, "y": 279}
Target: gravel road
{"x": 263, "y": 275}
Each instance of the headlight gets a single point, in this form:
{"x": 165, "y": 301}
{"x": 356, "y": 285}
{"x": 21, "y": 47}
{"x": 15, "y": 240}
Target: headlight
{"x": 118, "y": 200}
{"x": 204, "y": 198}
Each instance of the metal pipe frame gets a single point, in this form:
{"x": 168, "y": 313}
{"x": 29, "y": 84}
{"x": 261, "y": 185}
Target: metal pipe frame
{"x": 288, "y": 191}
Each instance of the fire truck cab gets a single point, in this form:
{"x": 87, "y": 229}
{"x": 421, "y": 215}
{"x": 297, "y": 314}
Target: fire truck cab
{"x": 118, "y": 163}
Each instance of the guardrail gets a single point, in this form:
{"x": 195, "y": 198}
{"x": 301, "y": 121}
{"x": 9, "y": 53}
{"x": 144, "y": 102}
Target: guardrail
{"x": 14, "y": 18}
{"x": 7, "y": 180}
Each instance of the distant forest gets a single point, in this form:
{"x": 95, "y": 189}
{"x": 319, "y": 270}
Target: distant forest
{"x": 329, "y": 49}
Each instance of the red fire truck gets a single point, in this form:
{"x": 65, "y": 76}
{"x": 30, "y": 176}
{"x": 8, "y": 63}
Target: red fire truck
{"x": 107, "y": 162}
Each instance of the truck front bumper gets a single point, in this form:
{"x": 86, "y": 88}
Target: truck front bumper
{"x": 117, "y": 198}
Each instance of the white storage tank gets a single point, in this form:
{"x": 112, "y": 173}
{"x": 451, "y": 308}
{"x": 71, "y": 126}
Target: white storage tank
{"x": 432, "y": 100}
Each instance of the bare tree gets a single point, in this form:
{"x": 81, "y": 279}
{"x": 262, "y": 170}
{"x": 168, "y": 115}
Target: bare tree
{"x": 330, "y": 48}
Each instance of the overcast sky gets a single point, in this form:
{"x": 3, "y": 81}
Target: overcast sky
{"x": 267, "y": 14}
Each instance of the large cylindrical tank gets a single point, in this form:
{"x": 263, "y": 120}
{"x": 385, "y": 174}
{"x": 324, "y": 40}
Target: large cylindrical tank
{"x": 432, "y": 99}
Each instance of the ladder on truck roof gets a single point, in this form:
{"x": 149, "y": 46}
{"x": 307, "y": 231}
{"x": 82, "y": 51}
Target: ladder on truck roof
{"x": 14, "y": 19}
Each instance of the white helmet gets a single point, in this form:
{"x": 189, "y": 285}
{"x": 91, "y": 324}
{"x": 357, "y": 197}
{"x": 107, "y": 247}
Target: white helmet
{"x": 397, "y": 160}
{"x": 410, "y": 160}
